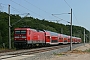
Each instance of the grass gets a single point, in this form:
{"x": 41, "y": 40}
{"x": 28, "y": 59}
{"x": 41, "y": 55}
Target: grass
{"x": 6, "y": 50}
{"x": 87, "y": 50}
{"x": 60, "y": 54}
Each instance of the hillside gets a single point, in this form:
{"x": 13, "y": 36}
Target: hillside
{"x": 36, "y": 24}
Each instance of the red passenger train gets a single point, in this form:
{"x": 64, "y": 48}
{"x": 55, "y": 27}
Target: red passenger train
{"x": 27, "y": 37}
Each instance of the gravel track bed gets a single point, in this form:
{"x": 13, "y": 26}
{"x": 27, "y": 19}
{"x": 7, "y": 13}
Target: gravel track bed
{"x": 49, "y": 54}
{"x": 37, "y": 55}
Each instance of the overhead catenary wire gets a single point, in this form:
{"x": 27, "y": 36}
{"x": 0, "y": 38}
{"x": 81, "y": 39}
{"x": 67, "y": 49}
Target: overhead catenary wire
{"x": 26, "y": 8}
{"x": 20, "y": 19}
{"x": 39, "y": 8}
{"x": 67, "y": 4}
{"x": 15, "y": 9}
{"x": 46, "y": 11}
{"x": 60, "y": 18}
{"x": 2, "y": 6}
{"x": 5, "y": 6}
{"x": 36, "y": 7}
{"x": 75, "y": 18}
{"x": 19, "y": 12}
{"x": 73, "y": 11}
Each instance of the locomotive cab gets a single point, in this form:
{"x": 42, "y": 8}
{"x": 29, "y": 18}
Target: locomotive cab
{"x": 20, "y": 37}
{"x": 27, "y": 38}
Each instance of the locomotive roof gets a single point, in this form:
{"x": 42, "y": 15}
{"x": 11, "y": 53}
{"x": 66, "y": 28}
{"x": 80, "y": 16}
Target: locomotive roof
{"x": 78, "y": 38}
{"x": 63, "y": 35}
{"x": 28, "y": 29}
{"x": 22, "y": 29}
{"x": 53, "y": 33}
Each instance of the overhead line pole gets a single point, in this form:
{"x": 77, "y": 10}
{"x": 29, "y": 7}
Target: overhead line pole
{"x": 71, "y": 32}
{"x": 84, "y": 36}
{"x": 70, "y": 29}
{"x": 9, "y": 27}
{"x": 9, "y": 32}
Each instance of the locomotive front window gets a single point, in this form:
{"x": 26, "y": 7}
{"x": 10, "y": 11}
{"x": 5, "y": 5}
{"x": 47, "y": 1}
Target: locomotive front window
{"x": 20, "y": 32}
{"x": 17, "y": 32}
{"x": 23, "y": 32}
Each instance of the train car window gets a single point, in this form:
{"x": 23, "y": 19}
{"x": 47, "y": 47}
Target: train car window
{"x": 68, "y": 39}
{"x": 17, "y": 32}
{"x": 60, "y": 38}
{"x": 48, "y": 37}
{"x": 54, "y": 41}
{"x": 23, "y": 32}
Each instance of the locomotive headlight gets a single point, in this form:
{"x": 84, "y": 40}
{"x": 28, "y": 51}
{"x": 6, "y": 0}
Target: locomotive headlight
{"x": 23, "y": 36}
{"x": 16, "y": 36}
{"x": 25, "y": 39}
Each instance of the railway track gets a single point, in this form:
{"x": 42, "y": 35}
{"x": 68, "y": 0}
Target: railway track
{"x": 29, "y": 51}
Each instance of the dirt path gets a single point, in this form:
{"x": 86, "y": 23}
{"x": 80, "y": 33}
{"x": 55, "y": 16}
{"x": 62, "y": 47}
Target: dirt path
{"x": 76, "y": 54}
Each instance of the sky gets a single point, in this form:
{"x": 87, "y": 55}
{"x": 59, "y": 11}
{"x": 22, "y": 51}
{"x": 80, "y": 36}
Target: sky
{"x": 51, "y": 10}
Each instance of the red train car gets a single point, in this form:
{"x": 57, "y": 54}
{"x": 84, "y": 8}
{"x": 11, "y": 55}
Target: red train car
{"x": 47, "y": 37}
{"x": 63, "y": 39}
{"x": 79, "y": 40}
{"x": 74, "y": 39}
{"x": 28, "y": 37}
{"x": 51, "y": 38}
{"x": 68, "y": 39}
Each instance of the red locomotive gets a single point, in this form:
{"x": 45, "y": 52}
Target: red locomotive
{"x": 27, "y": 37}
